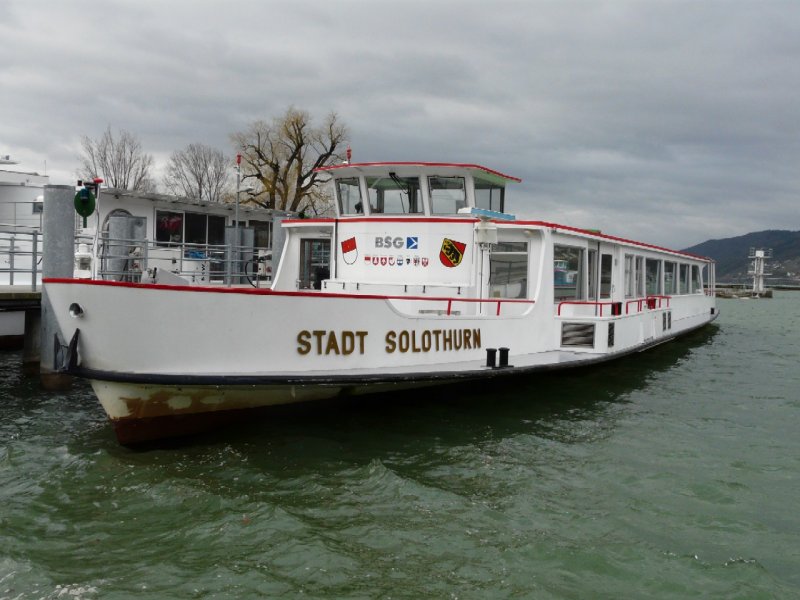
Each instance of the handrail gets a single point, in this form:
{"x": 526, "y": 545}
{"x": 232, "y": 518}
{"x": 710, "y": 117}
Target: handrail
{"x": 649, "y": 301}
{"x": 22, "y": 254}
{"x": 450, "y": 301}
{"x": 128, "y": 259}
{"x": 499, "y": 301}
{"x": 584, "y": 303}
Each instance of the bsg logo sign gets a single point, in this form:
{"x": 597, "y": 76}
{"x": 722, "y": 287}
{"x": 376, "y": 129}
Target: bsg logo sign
{"x": 409, "y": 243}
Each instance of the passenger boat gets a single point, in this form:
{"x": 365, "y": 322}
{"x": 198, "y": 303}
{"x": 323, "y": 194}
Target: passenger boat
{"x": 420, "y": 279}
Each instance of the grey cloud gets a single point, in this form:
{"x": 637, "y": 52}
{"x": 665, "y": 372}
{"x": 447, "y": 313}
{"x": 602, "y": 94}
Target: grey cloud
{"x": 667, "y": 121}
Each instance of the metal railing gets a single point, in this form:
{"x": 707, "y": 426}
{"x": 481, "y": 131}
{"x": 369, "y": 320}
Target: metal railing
{"x": 136, "y": 260}
{"x": 651, "y": 302}
{"x": 20, "y": 255}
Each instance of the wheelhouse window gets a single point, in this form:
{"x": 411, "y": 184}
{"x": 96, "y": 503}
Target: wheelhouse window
{"x": 349, "y": 192}
{"x": 508, "y": 273}
{"x": 489, "y": 195}
{"x": 567, "y": 273}
{"x": 652, "y": 277}
{"x": 448, "y": 195}
{"x": 670, "y": 278}
{"x": 684, "y": 279}
{"x": 169, "y": 227}
{"x": 394, "y": 195}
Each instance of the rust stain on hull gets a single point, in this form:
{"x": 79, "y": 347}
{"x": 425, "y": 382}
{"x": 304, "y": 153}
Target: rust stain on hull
{"x": 146, "y": 413}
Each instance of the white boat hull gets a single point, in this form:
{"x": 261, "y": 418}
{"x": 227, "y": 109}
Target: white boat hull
{"x": 283, "y": 353}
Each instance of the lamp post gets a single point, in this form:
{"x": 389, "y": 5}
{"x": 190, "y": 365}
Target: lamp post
{"x": 238, "y": 185}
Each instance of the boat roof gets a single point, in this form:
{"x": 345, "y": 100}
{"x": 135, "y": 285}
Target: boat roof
{"x": 379, "y": 168}
{"x": 184, "y": 203}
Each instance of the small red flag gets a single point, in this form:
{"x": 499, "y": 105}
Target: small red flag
{"x": 349, "y": 245}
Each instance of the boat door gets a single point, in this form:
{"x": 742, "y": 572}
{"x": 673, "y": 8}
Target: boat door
{"x": 315, "y": 260}
{"x": 601, "y": 272}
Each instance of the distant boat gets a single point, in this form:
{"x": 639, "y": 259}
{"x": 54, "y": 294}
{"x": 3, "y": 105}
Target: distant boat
{"x": 421, "y": 279}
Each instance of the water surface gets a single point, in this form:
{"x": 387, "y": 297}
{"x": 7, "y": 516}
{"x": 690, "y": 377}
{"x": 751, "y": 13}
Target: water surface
{"x": 671, "y": 474}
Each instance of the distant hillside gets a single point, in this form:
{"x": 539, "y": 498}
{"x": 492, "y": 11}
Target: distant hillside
{"x": 731, "y": 254}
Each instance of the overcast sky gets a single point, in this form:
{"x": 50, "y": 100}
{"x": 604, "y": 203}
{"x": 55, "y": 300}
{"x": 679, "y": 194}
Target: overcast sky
{"x": 669, "y": 122}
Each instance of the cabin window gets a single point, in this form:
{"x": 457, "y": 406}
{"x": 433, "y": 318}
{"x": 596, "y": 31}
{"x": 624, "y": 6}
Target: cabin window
{"x": 670, "y": 278}
{"x": 216, "y": 230}
{"x": 200, "y": 229}
{"x": 349, "y": 192}
{"x": 489, "y": 195}
{"x": 567, "y": 273}
{"x": 652, "y": 273}
{"x": 630, "y": 288}
{"x": 508, "y": 273}
{"x": 592, "y": 275}
{"x": 263, "y": 233}
{"x": 697, "y": 284}
{"x": 195, "y": 228}
{"x": 683, "y": 287}
{"x": 639, "y": 276}
{"x": 169, "y": 227}
{"x": 448, "y": 195}
{"x": 606, "y": 265}
{"x": 394, "y": 195}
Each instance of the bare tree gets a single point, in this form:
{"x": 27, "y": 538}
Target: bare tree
{"x": 120, "y": 161}
{"x": 281, "y": 157}
{"x": 198, "y": 171}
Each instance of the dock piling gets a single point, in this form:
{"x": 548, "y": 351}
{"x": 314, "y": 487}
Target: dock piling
{"x": 58, "y": 226}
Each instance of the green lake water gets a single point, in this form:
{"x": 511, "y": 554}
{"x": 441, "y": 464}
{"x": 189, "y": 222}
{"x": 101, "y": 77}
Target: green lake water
{"x": 670, "y": 474}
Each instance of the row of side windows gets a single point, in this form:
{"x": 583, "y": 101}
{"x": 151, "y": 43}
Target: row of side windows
{"x": 643, "y": 277}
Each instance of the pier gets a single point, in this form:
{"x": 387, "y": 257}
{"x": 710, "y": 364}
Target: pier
{"x": 27, "y": 299}
{"x": 21, "y": 292}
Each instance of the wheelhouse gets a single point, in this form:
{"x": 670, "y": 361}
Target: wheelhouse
{"x": 416, "y": 189}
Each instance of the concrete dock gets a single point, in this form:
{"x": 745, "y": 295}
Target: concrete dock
{"x": 18, "y": 300}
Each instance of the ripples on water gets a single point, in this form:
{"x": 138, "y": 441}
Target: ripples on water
{"x": 672, "y": 474}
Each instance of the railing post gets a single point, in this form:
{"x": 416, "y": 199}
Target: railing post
{"x": 35, "y": 259}
{"x": 11, "y": 252}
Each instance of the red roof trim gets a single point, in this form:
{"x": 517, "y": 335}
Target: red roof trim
{"x": 421, "y": 164}
{"x": 606, "y": 236}
{"x": 376, "y": 219}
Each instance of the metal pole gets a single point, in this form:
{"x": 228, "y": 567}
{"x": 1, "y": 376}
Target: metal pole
{"x": 238, "y": 185}
{"x": 11, "y": 251}
{"x": 58, "y": 237}
{"x": 35, "y": 259}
